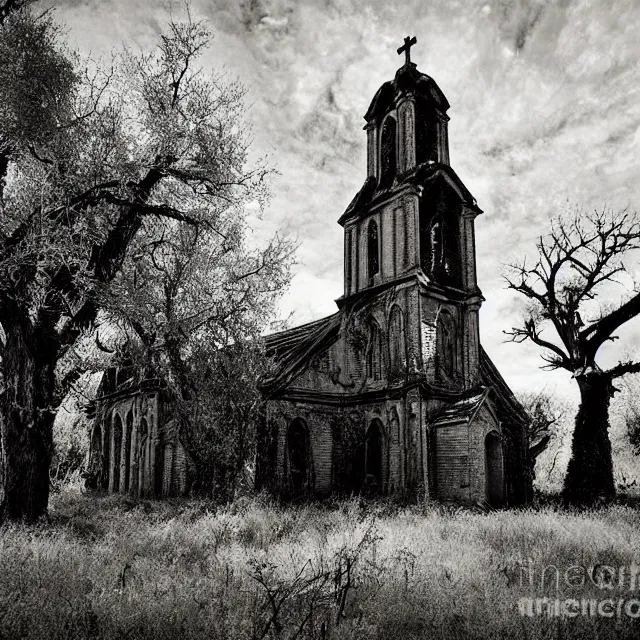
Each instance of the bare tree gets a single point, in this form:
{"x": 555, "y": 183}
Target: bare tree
{"x": 89, "y": 156}
{"x": 578, "y": 261}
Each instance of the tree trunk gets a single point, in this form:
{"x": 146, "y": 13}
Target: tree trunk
{"x": 590, "y": 471}
{"x": 26, "y": 419}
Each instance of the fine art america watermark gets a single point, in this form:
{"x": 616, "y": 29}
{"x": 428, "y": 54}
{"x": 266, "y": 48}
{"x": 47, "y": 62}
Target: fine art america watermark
{"x": 612, "y": 590}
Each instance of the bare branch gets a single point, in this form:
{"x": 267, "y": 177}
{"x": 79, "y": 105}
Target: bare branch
{"x": 622, "y": 369}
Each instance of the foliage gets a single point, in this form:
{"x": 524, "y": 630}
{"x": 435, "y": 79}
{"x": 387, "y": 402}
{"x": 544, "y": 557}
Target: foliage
{"x": 116, "y": 178}
{"x": 114, "y": 568}
{"x": 545, "y": 413}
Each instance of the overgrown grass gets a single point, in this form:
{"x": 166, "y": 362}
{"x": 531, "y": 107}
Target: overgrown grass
{"x": 110, "y": 567}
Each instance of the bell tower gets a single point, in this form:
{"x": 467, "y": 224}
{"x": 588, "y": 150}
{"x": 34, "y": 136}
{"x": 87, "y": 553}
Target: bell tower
{"x": 411, "y": 227}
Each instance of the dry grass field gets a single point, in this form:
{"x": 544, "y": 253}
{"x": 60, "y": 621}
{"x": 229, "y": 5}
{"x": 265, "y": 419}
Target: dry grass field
{"x": 110, "y": 567}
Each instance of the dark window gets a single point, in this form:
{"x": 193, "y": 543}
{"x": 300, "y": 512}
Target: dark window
{"x": 127, "y": 451}
{"x": 159, "y": 468}
{"x": 347, "y": 262}
{"x": 373, "y": 249}
{"x": 143, "y": 438}
{"x": 300, "y": 459}
{"x": 446, "y": 347}
{"x": 374, "y": 352}
{"x": 106, "y": 456}
{"x": 426, "y": 134}
{"x": 494, "y": 475}
{"x": 397, "y": 347}
{"x": 387, "y": 153}
{"x": 117, "y": 452}
{"x": 436, "y": 243}
{"x": 373, "y": 458}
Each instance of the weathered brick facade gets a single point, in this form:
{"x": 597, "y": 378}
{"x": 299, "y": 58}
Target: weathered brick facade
{"x": 134, "y": 445}
{"x": 393, "y": 394}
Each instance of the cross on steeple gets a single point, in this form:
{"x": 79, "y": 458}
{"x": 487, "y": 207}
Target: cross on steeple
{"x": 406, "y": 47}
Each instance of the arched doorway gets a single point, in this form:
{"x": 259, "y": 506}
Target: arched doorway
{"x": 374, "y": 443}
{"x": 300, "y": 460}
{"x": 494, "y": 476}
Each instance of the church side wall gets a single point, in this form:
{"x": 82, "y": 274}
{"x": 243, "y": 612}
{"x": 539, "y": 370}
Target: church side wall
{"x": 484, "y": 423}
{"x": 453, "y": 465}
{"x": 332, "y": 430}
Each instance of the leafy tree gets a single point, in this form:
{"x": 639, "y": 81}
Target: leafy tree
{"x": 192, "y": 303}
{"x": 92, "y": 159}
{"x": 580, "y": 257}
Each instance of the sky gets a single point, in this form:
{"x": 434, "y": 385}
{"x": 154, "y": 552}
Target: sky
{"x": 545, "y": 115}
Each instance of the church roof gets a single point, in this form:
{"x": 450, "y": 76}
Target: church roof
{"x": 407, "y": 80}
{"x": 294, "y": 348}
{"x": 506, "y": 401}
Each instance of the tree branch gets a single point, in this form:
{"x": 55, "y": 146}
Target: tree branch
{"x": 622, "y": 369}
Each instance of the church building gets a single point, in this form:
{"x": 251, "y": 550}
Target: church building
{"x": 393, "y": 395}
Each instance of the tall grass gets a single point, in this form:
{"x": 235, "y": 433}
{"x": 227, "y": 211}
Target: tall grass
{"x": 110, "y": 567}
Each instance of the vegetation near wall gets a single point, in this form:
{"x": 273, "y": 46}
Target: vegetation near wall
{"x": 115, "y": 568}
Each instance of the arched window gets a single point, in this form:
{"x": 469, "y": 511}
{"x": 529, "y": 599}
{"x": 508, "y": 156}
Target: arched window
{"x": 387, "y": 153}
{"x": 373, "y": 250}
{"x": 299, "y": 458}
{"x": 446, "y": 344}
{"x": 374, "y": 352}
{"x": 397, "y": 345}
{"x": 427, "y": 134}
{"x": 373, "y": 458}
{"x": 436, "y": 243}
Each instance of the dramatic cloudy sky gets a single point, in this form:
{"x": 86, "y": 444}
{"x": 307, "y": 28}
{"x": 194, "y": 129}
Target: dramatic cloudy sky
{"x": 545, "y": 111}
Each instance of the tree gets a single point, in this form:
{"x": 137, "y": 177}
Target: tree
{"x": 578, "y": 262}
{"x": 192, "y": 304}
{"x": 544, "y": 414}
{"x": 90, "y": 158}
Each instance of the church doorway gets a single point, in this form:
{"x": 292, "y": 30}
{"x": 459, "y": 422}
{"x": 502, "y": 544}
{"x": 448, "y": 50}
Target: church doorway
{"x": 299, "y": 457}
{"x": 494, "y": 469}
{"x": 373, "y": 459}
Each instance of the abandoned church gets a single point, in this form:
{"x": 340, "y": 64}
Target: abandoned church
{"x": 394, "y": 394}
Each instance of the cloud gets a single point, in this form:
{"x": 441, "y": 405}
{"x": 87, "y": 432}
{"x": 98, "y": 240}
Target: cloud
{"x": 545, "y": 110}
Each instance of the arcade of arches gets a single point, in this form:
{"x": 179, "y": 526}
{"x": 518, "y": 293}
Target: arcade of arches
{"x": 134, "y": 447}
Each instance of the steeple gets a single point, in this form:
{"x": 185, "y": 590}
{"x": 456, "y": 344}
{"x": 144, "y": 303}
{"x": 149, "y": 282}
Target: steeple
{"x": 408, "y": 113}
